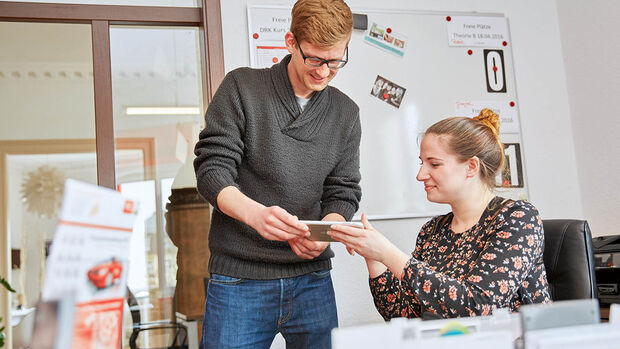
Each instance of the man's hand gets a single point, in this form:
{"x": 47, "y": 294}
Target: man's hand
{"x": 310, "y": 249}
{"x": 274, "y": 223}
{"x": 306, "y": 248}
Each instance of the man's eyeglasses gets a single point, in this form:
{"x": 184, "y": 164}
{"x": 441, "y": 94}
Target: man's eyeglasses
{"x": 317, "y": 62}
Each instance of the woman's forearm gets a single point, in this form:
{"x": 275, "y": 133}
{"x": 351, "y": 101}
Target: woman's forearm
{"x": 375, "y": 268}
{"x": 396, "y": 260}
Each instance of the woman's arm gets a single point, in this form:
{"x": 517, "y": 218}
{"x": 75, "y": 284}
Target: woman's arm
{"x": 390, "y": 299}
{"x": 385, "y": 287}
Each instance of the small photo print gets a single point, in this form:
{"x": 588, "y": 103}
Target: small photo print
{"x": 376, "y": 32}
{"x": 388, "y": 91}
{"x": 386, "y": 39}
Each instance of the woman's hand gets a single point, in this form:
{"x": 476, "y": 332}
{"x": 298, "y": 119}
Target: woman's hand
{"x": 368, "y": 242}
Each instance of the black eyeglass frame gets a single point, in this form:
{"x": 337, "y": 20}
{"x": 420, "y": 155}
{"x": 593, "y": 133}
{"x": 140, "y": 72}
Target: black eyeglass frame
{"x": 324, "y": 61}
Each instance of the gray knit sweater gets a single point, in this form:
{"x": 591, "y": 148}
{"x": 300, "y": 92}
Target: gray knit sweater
{"x": 257, "y": 139}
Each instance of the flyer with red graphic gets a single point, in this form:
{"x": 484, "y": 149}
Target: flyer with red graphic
{"x": 88, "y": 261}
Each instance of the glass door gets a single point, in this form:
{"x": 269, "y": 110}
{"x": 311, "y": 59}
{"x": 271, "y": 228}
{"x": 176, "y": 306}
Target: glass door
{"x": 47, "y": 136}
{"x": 157, "y": 102}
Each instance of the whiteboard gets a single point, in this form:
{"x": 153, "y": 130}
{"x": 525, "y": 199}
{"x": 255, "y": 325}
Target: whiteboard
{"x": 436, "y": 77}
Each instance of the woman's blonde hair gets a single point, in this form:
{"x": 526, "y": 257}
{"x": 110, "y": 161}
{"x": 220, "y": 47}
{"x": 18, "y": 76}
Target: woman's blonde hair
{"x": 322, "y": 22}
{"x": 478, "y": 136}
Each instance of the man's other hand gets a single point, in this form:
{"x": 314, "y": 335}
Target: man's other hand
{"x": 306, "y": 248}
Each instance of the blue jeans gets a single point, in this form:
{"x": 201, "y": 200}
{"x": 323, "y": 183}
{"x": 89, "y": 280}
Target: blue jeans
{"x": 244, "y": 313}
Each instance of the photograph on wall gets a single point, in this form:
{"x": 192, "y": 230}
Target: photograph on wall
{"x": 512, "y": 176}
{"x": 386, "y": 39}
{"x": 388, "y": 91}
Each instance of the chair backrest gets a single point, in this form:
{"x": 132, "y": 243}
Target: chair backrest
{"x": 569, "y": 259}
{"x": 134, "y": 307}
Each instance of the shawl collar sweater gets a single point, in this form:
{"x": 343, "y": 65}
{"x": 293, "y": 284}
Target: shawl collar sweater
{"x": 259, "y": 140}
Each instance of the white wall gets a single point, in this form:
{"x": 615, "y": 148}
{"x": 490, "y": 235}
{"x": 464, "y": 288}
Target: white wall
{"x": 591, "y": 47}
{"x": 544, "y": 110}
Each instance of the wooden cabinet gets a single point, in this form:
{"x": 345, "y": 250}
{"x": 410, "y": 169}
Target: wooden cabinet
{"x": 188, "y": 220}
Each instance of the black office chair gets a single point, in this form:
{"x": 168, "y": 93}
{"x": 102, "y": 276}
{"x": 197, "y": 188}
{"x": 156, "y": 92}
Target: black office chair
{"x": 569, "y": 259}
{"x": 176, "y": 332}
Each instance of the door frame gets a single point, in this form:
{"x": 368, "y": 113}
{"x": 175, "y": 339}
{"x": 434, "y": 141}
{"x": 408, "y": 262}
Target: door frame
{"x": 206, "y": 18}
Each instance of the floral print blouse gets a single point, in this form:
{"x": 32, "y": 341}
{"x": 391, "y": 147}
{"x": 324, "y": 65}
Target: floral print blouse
{"x": 497, "y": 263}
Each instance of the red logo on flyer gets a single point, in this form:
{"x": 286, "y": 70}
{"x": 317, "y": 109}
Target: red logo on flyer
{"x": 128, "y": 206}
{"x": 98, "y": 324}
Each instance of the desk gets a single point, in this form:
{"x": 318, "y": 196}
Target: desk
{"x": 560, "y": 325}
{"x": 604, "y": 314}
{"x": 498, "y": 331}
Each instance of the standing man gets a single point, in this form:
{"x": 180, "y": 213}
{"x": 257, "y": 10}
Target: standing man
{"x": 279, "y": 145}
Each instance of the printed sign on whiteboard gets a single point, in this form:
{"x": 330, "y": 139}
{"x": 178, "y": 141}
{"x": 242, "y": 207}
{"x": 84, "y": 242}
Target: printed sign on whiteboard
{"x": 494, "y": 69}
{"x": 267, "y": 26}
{"x": 477, "y": 31}
{"x": 512, "y": 176}
{"x": 506, "y": 110}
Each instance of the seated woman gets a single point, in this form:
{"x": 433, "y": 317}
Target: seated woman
{"x": 485, "y": 254}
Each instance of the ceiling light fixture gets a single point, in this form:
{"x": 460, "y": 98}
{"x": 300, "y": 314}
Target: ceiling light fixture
{"x": 162, "y": 111}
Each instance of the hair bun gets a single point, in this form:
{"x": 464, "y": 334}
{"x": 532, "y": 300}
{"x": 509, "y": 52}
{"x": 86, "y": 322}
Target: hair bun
{"x": 489, "y": 118}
